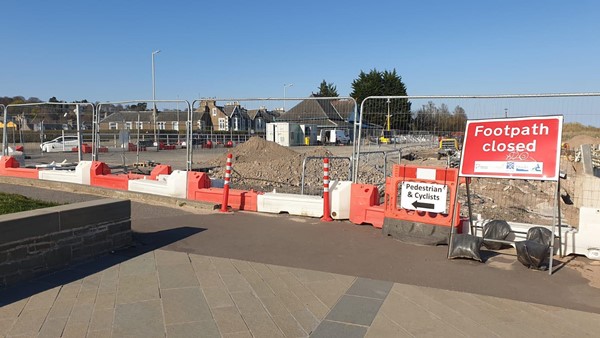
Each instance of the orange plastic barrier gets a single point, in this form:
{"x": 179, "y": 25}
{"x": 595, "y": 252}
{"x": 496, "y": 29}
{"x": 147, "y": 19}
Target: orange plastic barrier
{"x": 9, "y": 166}
{"x": 364, "y": 205}
{"x": 443, "y": 176}
{"x": 161, "y": 169}
{"x": 238, "y": 199}
{"x": 85, "y": 149}
{"x": 100, "y": 176}
{"x": 195, "y": 182}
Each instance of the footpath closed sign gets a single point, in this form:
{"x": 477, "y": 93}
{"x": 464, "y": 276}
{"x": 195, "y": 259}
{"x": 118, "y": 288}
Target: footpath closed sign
{"x": 424, "y": 197}
{"x": 522, "y": 148}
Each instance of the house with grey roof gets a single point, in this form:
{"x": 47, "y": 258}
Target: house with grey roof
{"x": 321, "y": 112}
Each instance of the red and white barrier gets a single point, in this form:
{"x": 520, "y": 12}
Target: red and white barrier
{"x": 80, "y": 175}
{"x": 326, "y": 201}
{"x": 226, "y": 184}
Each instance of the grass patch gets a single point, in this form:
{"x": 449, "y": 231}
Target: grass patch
{"x": 10, "y": 203}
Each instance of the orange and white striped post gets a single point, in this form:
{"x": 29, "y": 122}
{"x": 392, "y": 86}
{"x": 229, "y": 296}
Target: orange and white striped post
{"x": 326, "y": 208}
{"x": 226, "y": 183}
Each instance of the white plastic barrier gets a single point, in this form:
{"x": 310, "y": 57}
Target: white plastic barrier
{"x": 293, "y": 204}
{"x": 173, "y": 185}
{"x": 81, "y": 174}
{"x": 340, "y": 199}
{"x": 306, "y": 205}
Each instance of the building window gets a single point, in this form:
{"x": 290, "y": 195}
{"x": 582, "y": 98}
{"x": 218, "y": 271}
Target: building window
{"x": 161, "y": 125}
{"x": 128, "y": 125}
{"x": 113, "y": 125}
{"x": 201, "y": 125}
{"x": 139, "y": 125}
{"x": 259, "y": 124}
{"x": 223, "y": 125}
{"x": 214, "y": 111}
{"x": 175, "y": 125}
{"x": 236, "y": 123}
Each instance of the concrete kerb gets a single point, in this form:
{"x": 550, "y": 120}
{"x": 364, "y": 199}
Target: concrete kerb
{"x": 173, "y": 202}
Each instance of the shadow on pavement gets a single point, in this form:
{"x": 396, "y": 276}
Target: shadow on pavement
{"x": 143, "y": 242}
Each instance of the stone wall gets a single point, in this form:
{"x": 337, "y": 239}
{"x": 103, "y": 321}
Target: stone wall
{"x": 38, "y": 241}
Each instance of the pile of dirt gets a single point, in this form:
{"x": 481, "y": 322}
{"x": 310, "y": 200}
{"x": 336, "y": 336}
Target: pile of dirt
{"x": 265, "y": 166}
{"x": 579, "y": 140}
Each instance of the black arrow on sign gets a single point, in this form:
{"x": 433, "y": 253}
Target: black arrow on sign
{"x": 418, "y": 204}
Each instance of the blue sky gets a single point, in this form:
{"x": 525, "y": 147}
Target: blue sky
{"x": 101, "y": 50}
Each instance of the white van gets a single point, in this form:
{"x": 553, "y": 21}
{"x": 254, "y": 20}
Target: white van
{"x": 336, "y": 136}
{"x": 61, "y": 143}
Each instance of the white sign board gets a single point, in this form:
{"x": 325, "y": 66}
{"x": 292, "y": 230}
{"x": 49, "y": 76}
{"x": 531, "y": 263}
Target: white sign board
{"x": 424, "y": 197}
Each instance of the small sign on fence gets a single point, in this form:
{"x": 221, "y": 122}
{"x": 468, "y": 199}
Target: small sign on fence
{"x": 519, "y": 148}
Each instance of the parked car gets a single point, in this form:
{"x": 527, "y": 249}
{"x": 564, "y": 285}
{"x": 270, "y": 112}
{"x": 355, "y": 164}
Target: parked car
{"x": 61, "y": 143}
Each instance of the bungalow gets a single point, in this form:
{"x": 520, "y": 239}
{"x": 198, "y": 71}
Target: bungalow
{"x": 323, "y": 113}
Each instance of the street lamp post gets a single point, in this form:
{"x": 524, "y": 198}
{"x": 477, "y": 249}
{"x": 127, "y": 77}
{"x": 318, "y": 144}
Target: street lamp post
{"x": 285, "y": 86}
{"x": 154, "y": 98}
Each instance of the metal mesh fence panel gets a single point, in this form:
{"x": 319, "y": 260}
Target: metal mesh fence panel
{"x": 427, "y": 129}
{"x": 272, "y": 138}
{"x": 49, "y": 133}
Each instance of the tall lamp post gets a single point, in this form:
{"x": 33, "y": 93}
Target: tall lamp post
{"x": 154, "y": 98}
{"x": 285, "y": 86}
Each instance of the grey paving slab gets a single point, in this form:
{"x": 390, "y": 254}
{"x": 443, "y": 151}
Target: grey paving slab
{"x": 101, "y": 319}
{"x": 317, "y": 307}
{"x": 371, "y": 288}
{"x": 236, "y": 283}
{"x": 100, "y": 334}
{"x": 201, "y": 263}
{"x": 81, "y": 314}
{"x": 289, "y": 325}
{"x": 29, "y": 322}
{"x": 262, "y": 325}
{"x": 184, "y": 305}
{"x": 137, "y": 288}
{"x": 307, "y": 320}
{"x": 140, "y": 265}
{"x": 328, "y": 291}
{"x": 244, "y": 334}
{"x": 177, "y": 276}
{"x": 105, "y": 300}
{"x": 74, "y": 330}
{"x": 355, "y": 310}
{"x": 229, "y": 320}
{"x": 247, "y": 303}
{"x": 68, "y": 292}
{"x": 142, "y": 319}
{"x": 263, "y": 270}
{"x": 12, "y": 310}
{"x": 224, "y": 266}
{"x": 217, "y": 297}
{"x": 167, "y": 257}
{"x": 273, "y": 305}
{"x": 61, "y": 309}
{"x": 86, "y": 296}
{"x": 200, "y": 329}
{"x": 5, "y": 325}
{"x": 42, "y": 300}
{"x": 383, "y": 327}
{"x": 414, "y": 319}
{"x": 241, "y": 265}
{"x": 209, "y": 279}
{"x": 449, "y": 315}
{"x": 329, "y": 329}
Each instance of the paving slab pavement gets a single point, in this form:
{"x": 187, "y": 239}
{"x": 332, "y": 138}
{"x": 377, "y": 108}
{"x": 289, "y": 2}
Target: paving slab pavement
{"x": 123, "y": 296}
{"x": 245, "y": 274}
